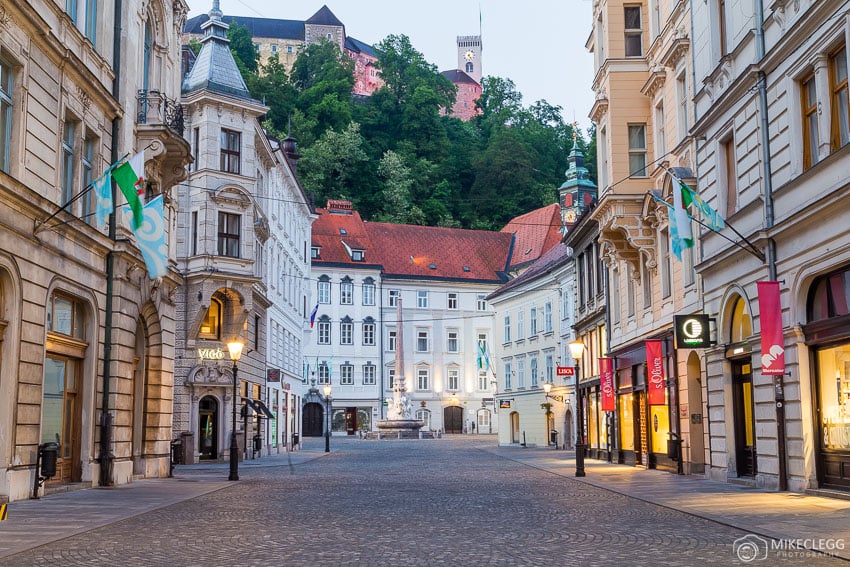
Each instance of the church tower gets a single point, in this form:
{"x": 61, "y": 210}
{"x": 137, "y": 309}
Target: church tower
{"x": 469, "y": 56}
{"x": 578, "y": 192}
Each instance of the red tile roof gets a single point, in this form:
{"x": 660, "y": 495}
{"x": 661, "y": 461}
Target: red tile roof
{"x": 557, "y": 256}
{"x": 409, "y": 251}
{"x": 536, "y": 233}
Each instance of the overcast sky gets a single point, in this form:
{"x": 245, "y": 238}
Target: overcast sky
{"x": 539, "y": 44}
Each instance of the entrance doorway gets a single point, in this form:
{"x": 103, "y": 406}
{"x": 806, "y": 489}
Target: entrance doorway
{"x": 453, "y": 419}
{"x": 744, "y": 416}
{"x": 313, "y": 420}
{"x": 207, "y": 428}
{"x": 61, "y": 415}
{"x": 514, "y": 427}
{"x": 350, "y": 420}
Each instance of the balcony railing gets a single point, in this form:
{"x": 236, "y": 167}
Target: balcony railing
{"x": 156, "y": 108}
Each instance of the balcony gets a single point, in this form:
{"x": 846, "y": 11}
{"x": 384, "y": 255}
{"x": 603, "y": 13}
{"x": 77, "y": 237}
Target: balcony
{"x": 159, "y": 130}
{"x": 156, "y": 108}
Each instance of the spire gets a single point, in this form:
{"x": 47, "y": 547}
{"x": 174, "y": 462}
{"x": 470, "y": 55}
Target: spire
{"x": 577, "y": 192}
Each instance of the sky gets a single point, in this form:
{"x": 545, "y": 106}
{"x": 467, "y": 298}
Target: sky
{"x": 538, "y": 44}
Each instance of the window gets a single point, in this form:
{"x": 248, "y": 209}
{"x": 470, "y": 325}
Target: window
{"x": 424, "y": 416}
{"x": 91, "y": 21}
{"x": 532, "y": 322}
{"x": 482, "y": 302}
{"x": 810, "y": 122}
{"x": 369, "y": 375}
{"x": 422, "y": 299}
{"x": 508, "y": 375}
{"x": 660, "y": 135}
{"x": 324, "y": 289}
{"x": 550, "y": 368}
{"x": 452, "y": 301}
{"x": 346, "y": 332}
{"x": 520, "y": 325}
{"x": 614, "y": 297}
{"x": 196, "y": 141}
{"x": 637, "y": 150}
{"x": 633, "y": 31}
{"x": 87, "y": 177}
{"x": 520, "y": 373}
{"x": 646, "y": 285}
{"x": 482, "y": 380}
{"x": 368, "y": 291}
{"x": 547, "y": 317}
{"x": 65, "y": 316}
{"x": 727, "y": 148}
{"x": 71, "y": 9}
{"x": 324, "y": 373}
{"x": 369, "y": 332}
{"x": 666, "y": 263}
{"x": 423, "y": 379}
{"x": 194, "y": 233}
{"x": 452, "y": 340}
{"x": 314, "y": 252}
{"x": 840, "y": 127}
{"x": 390, "y": 378}
{"x": 346, "y": 374}
{"x": 507, "y": 328}
{"x": 230, "y": 150}
{"x": 274, "y": 48}
{"x": 289, "y": 49}
{"x": 533, "y": 364}
{"x": 68, "y": 133}
{"x": 688, "y": 272}
{"x": 6, "y": 89}
{"x": 357, "y": 255}
{"x": 721, "y": 26}
{"x": 211, "y": 325}
{"x": 394, "y": 297}
{"x": 422, "y": 340}
{"x": 682, "y": 106}
{"x": 483, "y": 419}
{"x": 324, "y": 326}
{"x": 228, "y": 234}
{"x": 391, "y": 341}
{"x": 630, "y": 291}
{"x": 452, "y": 379}
{"x": 346, "y": 292}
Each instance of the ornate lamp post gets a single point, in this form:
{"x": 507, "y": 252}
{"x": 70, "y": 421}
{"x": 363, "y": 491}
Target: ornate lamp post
{"x": 235, "y": 348}
{"x": 327, "y": 390}
{"x": 547, "y": 387}
{"x": 576, "y": 351}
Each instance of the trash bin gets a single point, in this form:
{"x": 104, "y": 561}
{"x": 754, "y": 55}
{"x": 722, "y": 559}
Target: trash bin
{"x": 294, "y": 439}
{"x": 553, "y": 437}
{"x": 673, "y": 445}
{"x": 258, "y": 443}
{"x": 49, "y": 456}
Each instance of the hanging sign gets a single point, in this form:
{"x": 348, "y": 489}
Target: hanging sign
{"x": 565, "y": 370}
{"x": 655, "y": 373}
{"x": 504, "y": 404}
{"x": 606, "y": 383}
{"x": 692, "y": 331}
{"x": 772, "y": 341}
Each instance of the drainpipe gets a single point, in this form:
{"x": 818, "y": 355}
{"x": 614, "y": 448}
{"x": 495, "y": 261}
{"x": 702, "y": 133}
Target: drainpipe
{"x": 106, "y": 456}
{"x": 778, "y": 386}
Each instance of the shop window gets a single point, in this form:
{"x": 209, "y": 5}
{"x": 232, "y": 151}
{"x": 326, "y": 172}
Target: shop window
{"x": 834, "y": 387}
{"x": 830, "y": 297}
{"x": 740, "y": 325}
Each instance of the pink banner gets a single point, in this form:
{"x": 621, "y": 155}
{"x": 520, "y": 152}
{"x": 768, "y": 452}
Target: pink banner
{"x": 606, "y": 383}
{"x": 655, "y": 373}
{"x": 772, "y": 341}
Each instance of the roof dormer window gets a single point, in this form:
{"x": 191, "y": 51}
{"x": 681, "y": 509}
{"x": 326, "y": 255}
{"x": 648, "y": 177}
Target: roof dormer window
{"x": 315, "y": 252}
{"x": 357, "y": 255}
{"x": 343, "y": 231}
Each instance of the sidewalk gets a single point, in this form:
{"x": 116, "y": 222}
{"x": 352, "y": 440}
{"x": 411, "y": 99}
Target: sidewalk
{"x": 32, "y": 523}
{"x": 776, "y": 515}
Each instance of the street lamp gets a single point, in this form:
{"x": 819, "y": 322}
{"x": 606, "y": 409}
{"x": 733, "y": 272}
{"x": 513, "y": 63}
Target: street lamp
{"x": 235, "y": 348}
{"x": 576, "y": 351}
{"x": 327, "y": 390}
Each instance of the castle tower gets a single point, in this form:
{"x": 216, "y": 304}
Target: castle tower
{"x": 578, "y": 192}
{"x": 469, "y": 55}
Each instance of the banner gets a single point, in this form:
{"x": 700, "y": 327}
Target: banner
{"x": 772, "y": 342}
{"x": 606, "y": 382}
{"x": 655, "y": 373}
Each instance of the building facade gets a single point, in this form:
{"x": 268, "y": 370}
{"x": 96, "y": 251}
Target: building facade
{"x": 86, "y": 354}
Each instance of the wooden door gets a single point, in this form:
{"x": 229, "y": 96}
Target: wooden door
{"x": 312, "y": 421}
{"x": 453, "y": 419}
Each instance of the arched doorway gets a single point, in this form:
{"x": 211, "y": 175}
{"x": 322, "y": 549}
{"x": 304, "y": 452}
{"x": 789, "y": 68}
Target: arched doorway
{"x": 697, "y": 430}
{"x": 568, "y": 429}
{"x": 312, "y": 422}
{"x": 743, "y": 401}
{"x": 514, "y": 427}
{"x": 208, "y": 428}
{"x": 453, "y": 419}
{"x": 140, "y": 388}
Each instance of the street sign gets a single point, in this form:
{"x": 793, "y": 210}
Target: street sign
{"x": 566, "y": 370}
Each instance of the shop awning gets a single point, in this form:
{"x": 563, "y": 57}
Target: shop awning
{"x": 259, "y": 408}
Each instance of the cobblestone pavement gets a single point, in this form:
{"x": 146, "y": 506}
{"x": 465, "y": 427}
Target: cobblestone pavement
{"x": 400, "y": 503}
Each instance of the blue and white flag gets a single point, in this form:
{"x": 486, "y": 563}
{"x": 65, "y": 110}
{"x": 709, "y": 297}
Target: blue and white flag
{"x": 102, "y": 187}
{"x": 150, "y": 236}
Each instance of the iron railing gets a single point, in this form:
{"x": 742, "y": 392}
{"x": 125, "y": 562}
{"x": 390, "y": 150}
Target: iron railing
{"x": 156, "y": 108}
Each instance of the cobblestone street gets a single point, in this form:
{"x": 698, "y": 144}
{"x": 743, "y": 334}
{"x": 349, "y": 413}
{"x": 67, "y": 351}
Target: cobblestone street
{"x": 397, "y": 503}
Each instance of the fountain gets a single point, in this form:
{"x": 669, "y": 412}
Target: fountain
{"x": 399, "y": 421}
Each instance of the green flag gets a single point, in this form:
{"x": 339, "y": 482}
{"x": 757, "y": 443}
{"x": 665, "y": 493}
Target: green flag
{"x": 130, "y": 177}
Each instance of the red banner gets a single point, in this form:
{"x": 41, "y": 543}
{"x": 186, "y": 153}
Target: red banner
{"x": 655, "y": 373}
{"x": 772, "y": 341}
{"x": 606, "y": 383}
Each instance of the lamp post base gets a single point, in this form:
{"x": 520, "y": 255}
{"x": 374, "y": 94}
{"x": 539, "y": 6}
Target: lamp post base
{"x": 327, "y": 443}
{"x": 234, "y": 457}
{"x": 579, "y": 459}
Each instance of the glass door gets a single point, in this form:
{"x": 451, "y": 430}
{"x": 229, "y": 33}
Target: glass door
{"x": 60, "y": 422}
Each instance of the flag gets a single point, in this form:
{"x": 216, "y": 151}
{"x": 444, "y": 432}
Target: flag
{"x": 681, "y": 235}
{"x": 102, "y": 187}
{"x": 313, "y": 315}
{"x": 655, "y": 373}
{"x": 130, "y": 177}
{"x": 772, "y": 339}
{"x": 150, "y": 237}
{"x": 606, "y": 383}
{"x": 690, "y": 197}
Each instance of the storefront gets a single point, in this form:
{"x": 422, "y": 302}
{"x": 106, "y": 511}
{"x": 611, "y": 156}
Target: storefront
{"x": 828, "y": 335}
{"x": 599, "y": 424}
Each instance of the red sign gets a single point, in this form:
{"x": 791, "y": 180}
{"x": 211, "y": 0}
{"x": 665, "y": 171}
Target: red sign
{"x": 606, "y": 383}
{"x": 273, "y": 375}
{"x": 565, "y": 370}
{"x": 772, "y": 341}
{"x": 655, "y": 373}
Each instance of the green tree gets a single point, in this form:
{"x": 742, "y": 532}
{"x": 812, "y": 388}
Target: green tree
{"x": 330, "y": 167}
{"x": 398, "y": 179}
{"x": 243, "y": 49}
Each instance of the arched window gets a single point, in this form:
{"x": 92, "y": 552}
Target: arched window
{"x": 148, "y": 54}
{"x": 211, "y": 325}
{"x": 740, "y": 323}
{"x": 469, "y": 67}
{"x": 829, "y": 297}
